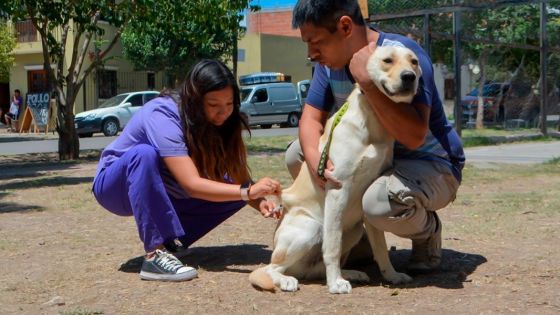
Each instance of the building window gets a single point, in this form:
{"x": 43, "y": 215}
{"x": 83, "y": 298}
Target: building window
{"x": 37, "y": 81}
{"x": 26, "y": 32}
{"x": 107, "y": 83}
{"x": 241, "y": 55}
{"x": 151, "y": 81}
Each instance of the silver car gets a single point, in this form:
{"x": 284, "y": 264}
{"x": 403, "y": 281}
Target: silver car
{"x": 266, "y": 104}
{"x": 113, "y": 114}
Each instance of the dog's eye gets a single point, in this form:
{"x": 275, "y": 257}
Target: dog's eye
{"x": 388, "y": 60}
{"x": 414, "y": 62}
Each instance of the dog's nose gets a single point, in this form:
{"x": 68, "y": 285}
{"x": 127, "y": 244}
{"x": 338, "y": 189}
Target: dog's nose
{"x": 408, "y": 77}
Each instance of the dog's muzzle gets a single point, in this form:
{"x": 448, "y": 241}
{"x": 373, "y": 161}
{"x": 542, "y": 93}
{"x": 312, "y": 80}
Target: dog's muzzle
{"x": 408, "y": 78}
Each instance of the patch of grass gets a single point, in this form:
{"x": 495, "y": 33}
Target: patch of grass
{"x": 80, "y": 311}
{"x": 268, "y": 145}
{"x": 491, "y": 136}
{"x": 272, "y": 166}
{"x": 554, "y": 161}
{"x": 493, "y": 132}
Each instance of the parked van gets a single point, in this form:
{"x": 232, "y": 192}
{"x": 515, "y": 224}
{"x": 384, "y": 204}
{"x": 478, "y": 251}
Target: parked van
{"x": 266, "y": 104}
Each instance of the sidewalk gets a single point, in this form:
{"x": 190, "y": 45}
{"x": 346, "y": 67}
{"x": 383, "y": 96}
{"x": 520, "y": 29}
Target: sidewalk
{"x": 6, "y": 136}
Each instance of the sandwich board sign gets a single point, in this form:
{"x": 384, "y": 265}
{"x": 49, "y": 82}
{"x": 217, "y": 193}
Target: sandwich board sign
{"x": 36, "y": 112}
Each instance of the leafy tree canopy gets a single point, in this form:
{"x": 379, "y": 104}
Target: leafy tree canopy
{"x": 7, "y": 45}
{"x": 180, "y": 32}
{"x": 58, "y": 21}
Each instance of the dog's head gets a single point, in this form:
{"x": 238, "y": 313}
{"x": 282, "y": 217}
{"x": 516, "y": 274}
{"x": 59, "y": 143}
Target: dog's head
{"x": 396, "y": 71}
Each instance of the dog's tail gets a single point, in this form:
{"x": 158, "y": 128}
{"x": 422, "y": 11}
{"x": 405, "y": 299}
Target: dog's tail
{"x": 260, "y": 279}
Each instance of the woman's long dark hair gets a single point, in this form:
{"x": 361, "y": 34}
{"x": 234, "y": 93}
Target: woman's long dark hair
{"x": 216, "y": 150}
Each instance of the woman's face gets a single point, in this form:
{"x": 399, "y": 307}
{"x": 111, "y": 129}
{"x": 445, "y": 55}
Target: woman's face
{"x": 218, "y": 105}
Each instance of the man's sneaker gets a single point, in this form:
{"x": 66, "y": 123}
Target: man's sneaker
{"x": 426, "y": 254}
{"x": 164, "y": 266}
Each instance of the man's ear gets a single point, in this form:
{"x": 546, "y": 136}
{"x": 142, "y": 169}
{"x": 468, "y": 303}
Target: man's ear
{"x": 345, "y": 24}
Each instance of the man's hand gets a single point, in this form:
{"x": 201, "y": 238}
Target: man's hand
{"x": 328, "y": 174}
{"x": 358, "y": 66}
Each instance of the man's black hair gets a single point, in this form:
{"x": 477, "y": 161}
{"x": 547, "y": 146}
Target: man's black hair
{"x": 325, "y": 13}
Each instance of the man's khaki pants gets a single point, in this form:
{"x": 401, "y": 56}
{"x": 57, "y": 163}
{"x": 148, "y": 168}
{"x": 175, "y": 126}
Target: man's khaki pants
{"x": 400, "y": 199}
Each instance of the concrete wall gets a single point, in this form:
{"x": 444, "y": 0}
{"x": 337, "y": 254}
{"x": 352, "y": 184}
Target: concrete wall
{"x": 276, "y": 54}
{"x": 287, "y": 55}
{"x": 251, "y": 44}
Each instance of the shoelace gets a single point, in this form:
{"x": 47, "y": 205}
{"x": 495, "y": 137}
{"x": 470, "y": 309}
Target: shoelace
{"x": 167, "y": 261}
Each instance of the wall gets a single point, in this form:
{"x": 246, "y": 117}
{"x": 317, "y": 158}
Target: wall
{"x": 274, "y": 53}
{"x": 278, "y": 22}
{"x": 251, "y": 43}
{"x": 287, "y": 55}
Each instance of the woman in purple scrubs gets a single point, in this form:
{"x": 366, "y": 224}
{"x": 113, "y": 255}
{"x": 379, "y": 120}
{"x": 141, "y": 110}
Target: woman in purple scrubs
{"x": 180, "y": 168}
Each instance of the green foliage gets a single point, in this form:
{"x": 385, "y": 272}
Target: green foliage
{"x": 174, "y": 34}
{"x": 67, "y": 29}
{"x": 7, "y": 45}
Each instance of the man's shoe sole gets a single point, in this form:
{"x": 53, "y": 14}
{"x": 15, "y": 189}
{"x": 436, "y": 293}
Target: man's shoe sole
{"x": 185, "y": 276}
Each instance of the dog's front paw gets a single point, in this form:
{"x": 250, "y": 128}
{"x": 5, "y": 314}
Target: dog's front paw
{"x": 398, "y": 278}
{"x": 340, "y": 286}
{"x": 289, "y": 284}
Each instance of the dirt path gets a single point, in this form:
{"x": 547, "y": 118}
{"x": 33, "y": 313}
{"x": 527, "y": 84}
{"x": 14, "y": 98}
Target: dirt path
{"x": 61, "y": 252}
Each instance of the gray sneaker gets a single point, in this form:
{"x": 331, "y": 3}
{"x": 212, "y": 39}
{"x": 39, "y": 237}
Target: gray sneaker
{"x": 163, "y": 266}
{"x": 426, "y": 254}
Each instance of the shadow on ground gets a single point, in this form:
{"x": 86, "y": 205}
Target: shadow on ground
{"x": 452, "y": 274}
{"x": 46, "y": 182}
{"x": 214, "y": 258}
{"x": 17, "y": 138}
{"x": 7, "y": 207}
{"x": 39, "y": 164}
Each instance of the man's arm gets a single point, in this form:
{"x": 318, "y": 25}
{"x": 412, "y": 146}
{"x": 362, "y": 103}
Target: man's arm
{"x": 311, "y": 127}
{"x": 407, "y": 123}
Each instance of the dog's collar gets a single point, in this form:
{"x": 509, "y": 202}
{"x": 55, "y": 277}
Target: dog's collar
{"x": 325, "y": 153}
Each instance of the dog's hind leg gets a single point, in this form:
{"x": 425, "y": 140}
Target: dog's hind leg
{"x": 293, "y": 248}
{"x": 379, "y": 247}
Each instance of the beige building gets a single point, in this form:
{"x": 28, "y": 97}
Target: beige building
{"x": 115, "y": 76}
{"x": 259, "y": 52}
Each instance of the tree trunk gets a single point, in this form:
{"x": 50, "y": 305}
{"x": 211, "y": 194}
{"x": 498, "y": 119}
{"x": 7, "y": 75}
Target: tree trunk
{"x": 480, "y": 108}
{"x": 68, "y": 140}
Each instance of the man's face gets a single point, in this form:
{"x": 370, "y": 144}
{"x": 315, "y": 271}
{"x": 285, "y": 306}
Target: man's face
{"x": 324, "y": 47}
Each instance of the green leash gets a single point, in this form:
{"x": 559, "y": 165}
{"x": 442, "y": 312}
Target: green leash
{"x": 325, "y": 153}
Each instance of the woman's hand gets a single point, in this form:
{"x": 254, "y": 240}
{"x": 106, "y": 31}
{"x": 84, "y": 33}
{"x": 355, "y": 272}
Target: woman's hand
{"x": 263, "y": 187}
{"x": 268, "y": 209}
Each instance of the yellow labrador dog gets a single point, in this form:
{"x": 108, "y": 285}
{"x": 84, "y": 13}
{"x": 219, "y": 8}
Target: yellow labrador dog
{"x": 319, "y": 227}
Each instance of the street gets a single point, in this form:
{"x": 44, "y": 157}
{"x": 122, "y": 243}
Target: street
{"x": 11, "y": 144}
{"x": 519, "y": 153}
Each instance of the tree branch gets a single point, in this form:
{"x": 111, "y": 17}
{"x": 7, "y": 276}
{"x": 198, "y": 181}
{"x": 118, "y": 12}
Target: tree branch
{"x": 101, "y": 55}
{"x": 78, "y": 67}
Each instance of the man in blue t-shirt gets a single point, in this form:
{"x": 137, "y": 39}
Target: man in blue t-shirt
{"x": 428, "y": 155}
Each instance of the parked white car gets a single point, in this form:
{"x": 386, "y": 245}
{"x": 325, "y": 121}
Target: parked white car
{"x": 113, "y": 114}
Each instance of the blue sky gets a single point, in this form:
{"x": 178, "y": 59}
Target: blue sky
{"x": 271, "y": 4}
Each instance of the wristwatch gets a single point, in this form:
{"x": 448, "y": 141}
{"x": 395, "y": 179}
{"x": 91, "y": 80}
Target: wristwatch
{"x": 244, "y": 190}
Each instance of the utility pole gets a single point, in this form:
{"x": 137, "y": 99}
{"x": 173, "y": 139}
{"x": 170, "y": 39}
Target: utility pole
{"x": 544, "y": 69}
{"x": 458, "y": 111}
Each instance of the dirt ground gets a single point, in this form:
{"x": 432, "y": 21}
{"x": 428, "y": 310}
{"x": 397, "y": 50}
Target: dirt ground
{"x": 62, "y": 253}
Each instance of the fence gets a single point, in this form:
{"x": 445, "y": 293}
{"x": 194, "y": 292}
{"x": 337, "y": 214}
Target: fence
{"x": 509, "y": 49}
